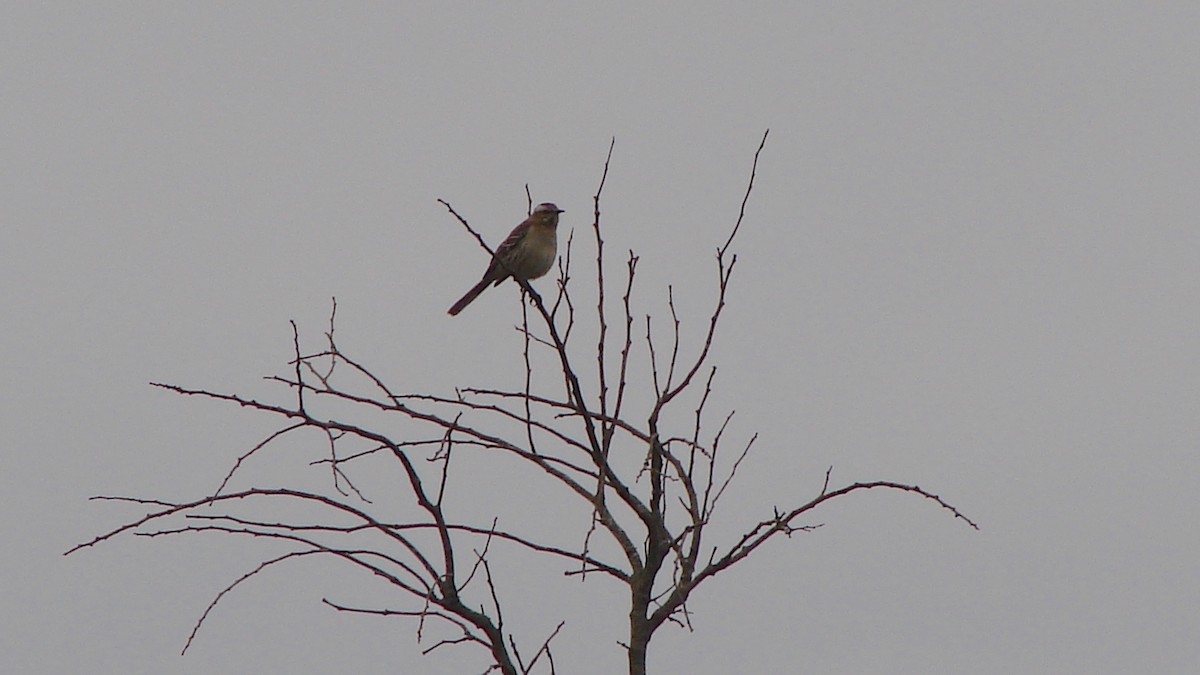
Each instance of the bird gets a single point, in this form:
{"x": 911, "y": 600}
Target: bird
{"x": 527, "y": 253}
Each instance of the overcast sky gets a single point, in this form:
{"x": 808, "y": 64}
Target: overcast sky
{"x": 970, "y": 263}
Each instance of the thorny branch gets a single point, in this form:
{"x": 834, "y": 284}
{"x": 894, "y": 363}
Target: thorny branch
{"x": 584, "y": 442}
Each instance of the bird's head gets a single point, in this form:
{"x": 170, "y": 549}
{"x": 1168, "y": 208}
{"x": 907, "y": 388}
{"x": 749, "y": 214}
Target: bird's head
{"x": 546, "y": 213}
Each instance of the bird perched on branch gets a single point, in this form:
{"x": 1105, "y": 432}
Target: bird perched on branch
{"x": 527, "y": 253}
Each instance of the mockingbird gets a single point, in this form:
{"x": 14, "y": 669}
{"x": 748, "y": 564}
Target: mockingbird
{"x": 527, "y": 253}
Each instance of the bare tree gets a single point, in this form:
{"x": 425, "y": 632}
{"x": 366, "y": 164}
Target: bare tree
{"x": 656, "y": 509}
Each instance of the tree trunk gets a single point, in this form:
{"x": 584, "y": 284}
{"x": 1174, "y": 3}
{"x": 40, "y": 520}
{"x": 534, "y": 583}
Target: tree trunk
{"x": 639, "y": 621}
{"x": 639, "y": 638}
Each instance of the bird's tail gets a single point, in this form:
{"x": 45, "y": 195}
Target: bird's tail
{"x": 470, "y": 296}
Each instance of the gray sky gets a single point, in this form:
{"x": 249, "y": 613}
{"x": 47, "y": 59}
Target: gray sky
{"x": 970, "y": 263}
